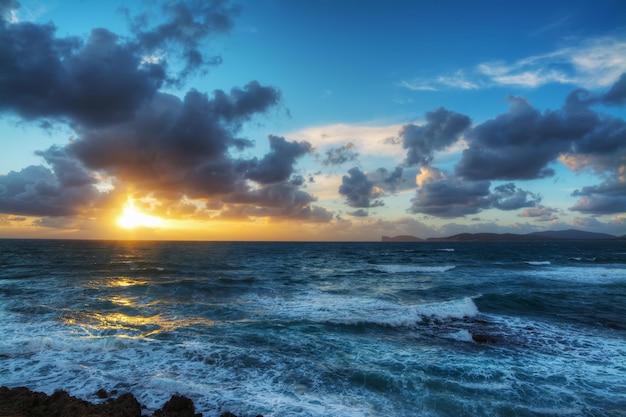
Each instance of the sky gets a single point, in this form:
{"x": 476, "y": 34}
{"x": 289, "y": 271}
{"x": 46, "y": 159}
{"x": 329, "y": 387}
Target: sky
{"x": 311, "y": 120}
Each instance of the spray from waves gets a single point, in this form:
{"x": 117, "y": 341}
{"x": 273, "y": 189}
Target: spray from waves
{"x": 403, "y": 269}
{"x": 328, "y": 308}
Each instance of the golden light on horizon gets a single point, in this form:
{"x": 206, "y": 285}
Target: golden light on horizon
{"x": 131, "y": 218}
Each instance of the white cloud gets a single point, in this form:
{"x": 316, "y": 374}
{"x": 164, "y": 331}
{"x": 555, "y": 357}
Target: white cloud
{"x": 593, "y": 63}
{"x": 369, "y": 140}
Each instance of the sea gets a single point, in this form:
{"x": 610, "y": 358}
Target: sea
{"x": 321, "y": 329}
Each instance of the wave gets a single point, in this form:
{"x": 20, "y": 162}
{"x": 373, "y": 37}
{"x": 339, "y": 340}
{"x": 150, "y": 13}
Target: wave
{"x": 446, "y": 250}
{"x": 402, "y": 269}
{"x": 538, "y": 263}
{"x": 349, "y": 310}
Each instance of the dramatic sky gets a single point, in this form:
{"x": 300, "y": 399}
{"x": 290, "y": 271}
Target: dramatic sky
{"x": 311, "y": 120}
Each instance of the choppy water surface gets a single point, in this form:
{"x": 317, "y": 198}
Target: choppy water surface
{"x": 321, "y": 329}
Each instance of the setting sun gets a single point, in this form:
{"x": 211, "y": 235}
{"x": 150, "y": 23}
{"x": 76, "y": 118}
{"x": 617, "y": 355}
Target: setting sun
{"x": 132, "y": 218}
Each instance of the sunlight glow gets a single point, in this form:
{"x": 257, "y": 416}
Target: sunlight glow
{"x": 132, "y": 218}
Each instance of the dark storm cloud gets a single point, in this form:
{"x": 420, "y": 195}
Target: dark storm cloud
{"x": 186, "y": 26}
{"x": 95, "y": 82}
{"x": 278, "y": 200}
{"x": 277, "y": 165}
{"x": 340, "y": 155}
{"x": 617, "y": 94}
{"x": 359, "y": 191}
{"x": 443, "y": 196}
{"x": 183, "y": 144}
{"x": 521, "y": 143}
{"x": 36, "y": 191}
{"x": 65, "y": 190}
{"x": 509, "y": 197}
{"x": 606, "y": 198}
{"x": 442, "y": 129}
{"x": 105, "y": 78}
{"x": 6, "y": 6}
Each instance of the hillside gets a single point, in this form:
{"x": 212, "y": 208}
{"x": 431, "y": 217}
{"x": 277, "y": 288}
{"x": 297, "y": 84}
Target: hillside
{"x": 551, "y": 235}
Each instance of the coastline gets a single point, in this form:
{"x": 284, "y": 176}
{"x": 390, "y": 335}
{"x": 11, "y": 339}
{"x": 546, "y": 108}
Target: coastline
{"x": 23, "y": 402}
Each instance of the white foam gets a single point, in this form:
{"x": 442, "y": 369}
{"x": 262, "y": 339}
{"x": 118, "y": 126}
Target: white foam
{"x": 446, "y": 250}
{"x": 462, "y": 335}
{"x": 331, "y": 308}
{"x": 582, "y": 274}
{"x": 403, "y": 269}
{"x": 538, "y": 263}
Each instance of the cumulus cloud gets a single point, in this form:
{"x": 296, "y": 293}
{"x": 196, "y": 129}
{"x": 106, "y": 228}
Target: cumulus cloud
{"x": 442, "y": 129}
{"x": 277, "y": 165}
{"x": 360, "y": 191}
{"x": 541, "y": 213}
{"x": 182, "y": 29}
{"x": 606, "y": 198}
{"x": 442, "y": 196}
{"x": 340, "y": 155}
{"x": 108, "y": 90}
{"x": 37, "y": 191}
{"x": 177, "y": 144}
{"x": 521, "y": 143}
{"x": 447, "y": 196}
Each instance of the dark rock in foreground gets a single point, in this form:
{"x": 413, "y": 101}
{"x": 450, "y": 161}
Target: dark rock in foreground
{"x": 22, "y": 402}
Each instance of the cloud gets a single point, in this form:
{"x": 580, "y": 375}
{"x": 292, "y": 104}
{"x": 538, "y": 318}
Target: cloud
{"x": 521, "y": 143}
{"x": 360, "y": 192}
{"x": 37, "y": 191}
{"x": 277, "y": 165}
{"x": 617, "y": 94}
{"x": 95, "y": 82}
{"x": 540, "y": 213}
{"x": 446, "y": 196}
{"x": 592, "y": 63}
{"x": 340, "y": 155}
{"x": 108, "y": 89}
{"x": 367, "y": 139}
{"x": 182, "y": 30}
{"x": 608, "y": 197}
{"x": 457, "y": 80}
{"x": 178, "y": 144}
{"x": 442, "y": 129}
{"x": 509, "y": 197}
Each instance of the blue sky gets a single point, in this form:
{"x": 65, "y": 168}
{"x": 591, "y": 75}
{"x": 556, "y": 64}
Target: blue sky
{"x": 312, "y": 120}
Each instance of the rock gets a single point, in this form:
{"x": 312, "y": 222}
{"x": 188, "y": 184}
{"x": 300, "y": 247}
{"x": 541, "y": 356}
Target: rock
{"x": 25, "y": 403}
{"x": 102, "y": 394}
{"x": 483, "y": 338}
{"x": 177, "y": 406}
{"x": 126, "y": 405}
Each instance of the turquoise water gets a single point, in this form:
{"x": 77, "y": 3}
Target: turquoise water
{"x": 321, "y": 329}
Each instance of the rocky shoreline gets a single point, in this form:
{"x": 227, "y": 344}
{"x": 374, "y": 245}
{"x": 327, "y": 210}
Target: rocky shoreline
{"x": 22, "y": 402}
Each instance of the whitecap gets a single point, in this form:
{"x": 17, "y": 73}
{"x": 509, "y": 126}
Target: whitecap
{"x": 323, "y": 307}
{"x": 538, "y": 263}
{"x": 403, "y": 269}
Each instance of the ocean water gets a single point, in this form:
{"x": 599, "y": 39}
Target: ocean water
{"x": 321, "y": 329}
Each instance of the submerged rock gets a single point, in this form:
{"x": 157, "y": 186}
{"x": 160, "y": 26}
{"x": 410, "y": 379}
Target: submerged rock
{"x": 483, "y": 338}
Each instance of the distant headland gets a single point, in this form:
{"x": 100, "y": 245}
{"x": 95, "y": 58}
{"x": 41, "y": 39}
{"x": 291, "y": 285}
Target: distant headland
{"x": 551, "y": 235}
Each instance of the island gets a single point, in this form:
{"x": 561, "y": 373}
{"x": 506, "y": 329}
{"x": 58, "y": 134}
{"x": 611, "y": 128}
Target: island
{"x": 550, "y": 235}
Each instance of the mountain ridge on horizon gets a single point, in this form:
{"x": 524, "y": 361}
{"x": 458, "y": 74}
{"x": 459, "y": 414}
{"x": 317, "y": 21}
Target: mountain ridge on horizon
{"x": 549, "y": 235}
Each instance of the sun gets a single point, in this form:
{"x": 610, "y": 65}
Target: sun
{"x": 132, "y": 218}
